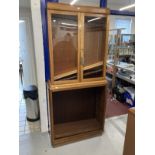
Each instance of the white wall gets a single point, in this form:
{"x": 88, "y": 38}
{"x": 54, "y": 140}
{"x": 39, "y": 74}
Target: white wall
{"x": 39, "y": 55}
{"x": 114, "y": 17}
{"x": 116, "y": 5}
{"x": 26, "y": 41}
{"x": 35, "y": 58}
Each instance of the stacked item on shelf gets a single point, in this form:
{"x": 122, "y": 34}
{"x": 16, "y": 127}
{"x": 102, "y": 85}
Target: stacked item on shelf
{"x": 127, "y": 75}
{"x": 118, "y": 93}
{"x": 110, "y": 69}
{"x": 125, "y": 71}
{"x": 129, "y": 96}
{"x": 125, "y": 94}
{"x": 109, "y": 81}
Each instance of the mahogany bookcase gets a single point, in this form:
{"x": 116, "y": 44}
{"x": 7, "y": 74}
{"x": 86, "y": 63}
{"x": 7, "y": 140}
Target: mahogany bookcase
{"x": 78, "y": 44}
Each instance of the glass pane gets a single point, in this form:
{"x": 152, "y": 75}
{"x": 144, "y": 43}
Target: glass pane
{"x": 94, "y": 46}
{"x": 65, "y": 46}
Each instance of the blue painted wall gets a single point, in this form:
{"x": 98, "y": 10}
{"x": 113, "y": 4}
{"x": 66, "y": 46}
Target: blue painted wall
{"x": 122, "y": 13}
{"x": 103, "y": 3}
{"x": 53, "y": 1}
{"x": 45, "y": 36}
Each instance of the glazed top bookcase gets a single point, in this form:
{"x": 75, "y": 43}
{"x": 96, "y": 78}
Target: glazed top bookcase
{"x": 78, "y": 38}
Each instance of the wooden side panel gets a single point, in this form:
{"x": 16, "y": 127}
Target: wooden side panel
{"x": 101, "y": 105}
{"x": 79, "y": 47}
{"x": 50, "y": 46}
{"x": 129, "y": 144}
{"x": 81, "y": 44}
{"x": 51, "y": 116}
{"x": 106, "y": 47}
{"x": 48, "y": 109}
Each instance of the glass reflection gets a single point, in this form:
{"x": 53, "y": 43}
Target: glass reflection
{"x": 65, "y": 46}
{"x": 94, "y": 46}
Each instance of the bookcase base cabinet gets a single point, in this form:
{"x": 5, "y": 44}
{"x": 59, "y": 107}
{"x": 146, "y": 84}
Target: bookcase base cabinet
{"x": 76, "y": 114}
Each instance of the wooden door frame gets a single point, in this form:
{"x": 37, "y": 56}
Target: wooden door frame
{"x": 80, "y": 12}
{"x": 104, "y": 51}
{"x": 49, "y": 13}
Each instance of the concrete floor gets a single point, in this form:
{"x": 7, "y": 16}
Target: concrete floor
{"x": 110, "y": 143}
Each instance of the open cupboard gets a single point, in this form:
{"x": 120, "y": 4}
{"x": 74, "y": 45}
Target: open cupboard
{"x": 78, "y": 38}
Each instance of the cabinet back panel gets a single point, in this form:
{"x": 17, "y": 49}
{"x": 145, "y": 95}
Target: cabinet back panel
{"x": 75, "y": 105}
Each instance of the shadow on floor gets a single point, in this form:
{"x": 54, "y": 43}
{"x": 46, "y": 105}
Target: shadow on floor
{"x": 114, "y": 107}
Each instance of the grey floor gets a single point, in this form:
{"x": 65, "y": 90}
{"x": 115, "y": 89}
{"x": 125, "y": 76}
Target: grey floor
{"x": 110, "y": 143}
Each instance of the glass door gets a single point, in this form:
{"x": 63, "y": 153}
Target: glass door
{"x": 94, "y": 47}
{"x": 63, "y": 43}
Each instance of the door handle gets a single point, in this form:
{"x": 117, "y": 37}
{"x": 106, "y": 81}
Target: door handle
{"x": 82, "y": 61}
{"x": 82, "y": 57}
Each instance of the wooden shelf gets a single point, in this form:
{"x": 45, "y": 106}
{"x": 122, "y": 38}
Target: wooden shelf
{"x": 125, "y": 78}
{"x": 77, "y": 127}
{"x": 74, "y": 71}
{"x": 78, "y": 137}
{"x": 79, "y": 85}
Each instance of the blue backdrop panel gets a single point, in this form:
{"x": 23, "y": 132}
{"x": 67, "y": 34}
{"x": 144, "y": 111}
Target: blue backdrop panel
{"x": 103, "y": 3}
{"x": 45, "y": 36}
{"x": 53, "y": 1}
{"x": 122, "y": 13}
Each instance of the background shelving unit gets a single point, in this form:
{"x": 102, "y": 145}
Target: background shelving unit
{"x": 121, "y": 60}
